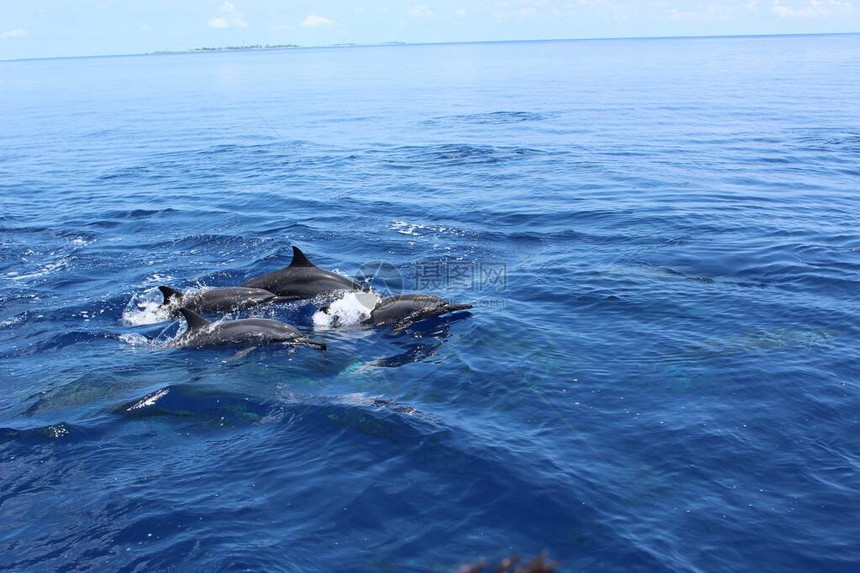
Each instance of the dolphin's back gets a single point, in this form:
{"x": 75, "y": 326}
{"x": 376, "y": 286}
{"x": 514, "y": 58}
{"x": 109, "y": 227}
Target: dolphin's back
{"x": 227, "y": 299}
{"x": 256, "y": 328}
{"x": 302, "y": 279}
{"x": 254, "y": 331}
{"x": 249, "y": 330}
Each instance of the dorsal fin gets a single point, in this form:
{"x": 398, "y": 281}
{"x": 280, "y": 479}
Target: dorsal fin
{"x": 194, "y": 320}
{"x": 170, "y": 294}
{"x": 299, "y": 259}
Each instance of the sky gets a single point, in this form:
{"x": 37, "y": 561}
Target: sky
{"x": 54, "y": 28}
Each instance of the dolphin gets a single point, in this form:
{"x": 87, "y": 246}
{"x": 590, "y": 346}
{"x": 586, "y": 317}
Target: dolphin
{"x": 221, "y": 299}
{"x": 252, "y": 331}
{"x": 302, "y": 279}
{"x": 403, "y": 310}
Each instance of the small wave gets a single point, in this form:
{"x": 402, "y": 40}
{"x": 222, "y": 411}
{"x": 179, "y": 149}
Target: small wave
{"x": 194, "y": 402}
{"x": 50, "y": 432}
{"x": 81, "y": 241}
{"x": 130, "y": 173}
{"x": 157, "y": 279}
{"x": 12, "y": 320}
{"x": 88, "y": 315}
{"x": 495, "y": 117}
{"x": 45, "y": 270}
{"x": 138, "y": 213}
{"x": 149, "y": 400}
{"x": 363, "y": 400}
{"x": 405, "y": 228}
{"x": 134, "y": 339}
{"x": 349, "y": 310}
{"x": 445, "y": 156}
{"x": 418, "y": 230}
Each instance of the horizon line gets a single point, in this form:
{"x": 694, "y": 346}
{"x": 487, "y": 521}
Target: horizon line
{"x": 394, "y": 44}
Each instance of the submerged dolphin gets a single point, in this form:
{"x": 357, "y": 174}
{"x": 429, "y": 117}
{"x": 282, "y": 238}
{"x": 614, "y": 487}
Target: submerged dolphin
{"x": 251, "y": 331}
{"x": 218, "y": 299}
{"x": 406, "y": 309}
{"x": 302, "y": 279}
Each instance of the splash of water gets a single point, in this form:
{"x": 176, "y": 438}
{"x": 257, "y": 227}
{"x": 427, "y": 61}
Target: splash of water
{"x": 350, "y": 309}
{"x": 134, "y": 339}
{"x": 146, "y": 308}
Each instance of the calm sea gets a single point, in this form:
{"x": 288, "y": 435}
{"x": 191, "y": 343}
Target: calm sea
{"x": 661, "y": 371}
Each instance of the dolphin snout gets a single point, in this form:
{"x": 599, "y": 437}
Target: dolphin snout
{"x": 312, "y": 343}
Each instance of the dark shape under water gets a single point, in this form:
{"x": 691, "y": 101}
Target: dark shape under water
{"x": 219, "y": 299}
{"x": 302, "y": 279}
{"x": 249, "y": 331}
{"x": 197, "y": 402}
{"x": 511, "y": 564}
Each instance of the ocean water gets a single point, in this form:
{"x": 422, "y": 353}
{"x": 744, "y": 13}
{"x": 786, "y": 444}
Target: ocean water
{"x": 661, "y": 371}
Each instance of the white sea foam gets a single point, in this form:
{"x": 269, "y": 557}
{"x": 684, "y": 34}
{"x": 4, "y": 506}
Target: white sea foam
{"x": 418, "y": 230}
{"x": 157, "y": 279}
{"x": 134, "y": 339}
{"x": 45, "y": 270}
{"x": 11, "y": 321}
{"x": 404, "y": 228}
{"x": 348, "y": 310}
{"x": 163, "y": 339}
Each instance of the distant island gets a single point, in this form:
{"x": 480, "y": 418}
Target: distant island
{"x": 243, "y": 48}
{"x": 231, "y": 48}
{"x": 261, "y": 47}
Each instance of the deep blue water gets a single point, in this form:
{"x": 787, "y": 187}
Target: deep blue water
{"x": 666, "y": 378}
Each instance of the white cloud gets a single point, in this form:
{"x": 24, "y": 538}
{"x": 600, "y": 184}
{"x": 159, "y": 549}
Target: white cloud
{"x": 708, "y": 12}
{"x": 144, "y": 28}
{"x": 421, "y": 11}
{"x": 519, "y": 10}
{"x": 230, "y": 18}
{"x": 314, "y": 21}
{"x": 16, "y": 33}
{"x": 808, "y": 8}
{"x": 514, "y": 15}
{"x": 460, "y": 12}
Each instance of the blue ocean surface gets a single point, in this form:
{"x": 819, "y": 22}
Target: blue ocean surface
{"x": 660, "y": 238}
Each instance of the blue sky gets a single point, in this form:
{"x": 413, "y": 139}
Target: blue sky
{"x": 44, "y": 28}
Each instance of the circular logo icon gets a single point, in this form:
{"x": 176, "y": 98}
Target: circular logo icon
{"x": 383, "y": 277}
